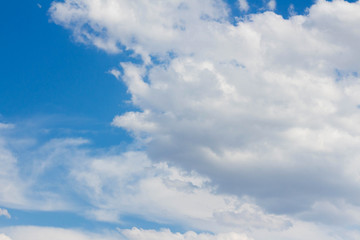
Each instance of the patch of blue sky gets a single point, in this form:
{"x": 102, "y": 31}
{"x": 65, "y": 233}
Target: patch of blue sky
{"x": 343, "y": 74}
{"x": 46, "y": 76}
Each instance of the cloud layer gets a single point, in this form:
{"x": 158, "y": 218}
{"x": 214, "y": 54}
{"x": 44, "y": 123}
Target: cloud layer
{"x": 44, "y": 233}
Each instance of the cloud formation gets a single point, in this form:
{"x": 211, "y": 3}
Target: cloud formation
{"x": 113, "y": 186}
{"x": 266, "y": 107}
{"x": 257, "y": 119}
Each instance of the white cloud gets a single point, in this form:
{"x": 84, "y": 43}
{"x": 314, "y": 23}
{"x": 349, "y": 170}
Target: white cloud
{"x": 116, "y": 73}
{"x": 45, "y": 233}
{"x": 271, "y": 5}
{"x": 131, "y": 184}
{"x": 4, "y": 237}
{"x": 267, "y": 107}
{"x": 25, "y": 182}
{"x": 115, "y": 185}
{"x": 154, "y": 24}
{"x": 299, "y": 232}
{"x": 4, "y": 212}
{"x": 244, "y": 6}
{"x": 11, "y": 186}
{"x": 139, "y": 234}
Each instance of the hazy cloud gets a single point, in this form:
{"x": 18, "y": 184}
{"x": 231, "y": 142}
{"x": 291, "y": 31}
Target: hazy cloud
{"x": 4, "y": 212}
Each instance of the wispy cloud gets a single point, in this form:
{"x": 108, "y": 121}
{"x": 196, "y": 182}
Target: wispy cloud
{"x": 4, "y": 212}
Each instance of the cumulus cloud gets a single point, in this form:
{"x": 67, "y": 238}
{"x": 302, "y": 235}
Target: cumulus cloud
{"x": 266, "y": 107}
{"x": 114, "y": 185}
{"x": 132, "y": 184}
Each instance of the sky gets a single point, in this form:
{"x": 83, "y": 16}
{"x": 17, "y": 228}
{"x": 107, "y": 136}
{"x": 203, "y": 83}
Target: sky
{"x": 180, "y": 120}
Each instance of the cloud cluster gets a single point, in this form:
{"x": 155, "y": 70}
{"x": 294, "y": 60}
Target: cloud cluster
{"x": 114, "y": 185}
{"x": 266, "y": 109}
{"x": 131, "y": 184}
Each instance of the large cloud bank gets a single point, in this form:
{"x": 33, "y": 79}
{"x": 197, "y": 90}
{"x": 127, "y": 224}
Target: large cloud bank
{"x": 266, "y": 108}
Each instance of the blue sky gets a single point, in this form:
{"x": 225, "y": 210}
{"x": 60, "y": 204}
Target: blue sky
{"x": 214, "y": 119}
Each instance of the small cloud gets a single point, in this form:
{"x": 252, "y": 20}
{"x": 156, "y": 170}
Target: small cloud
{"x": 6, "y": 126}
{"x": 39, "y": 5}
{"x": 4, "y": 212}
{"x": 116, "y": 73}
{"x": 271, "y": 5}
{"x": 244, "y": 6}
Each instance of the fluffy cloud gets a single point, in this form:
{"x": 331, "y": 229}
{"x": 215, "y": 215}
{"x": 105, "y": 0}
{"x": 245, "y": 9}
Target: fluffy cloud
{"x": 114, "y": 185}
{"x": 266, "y": 108}
{"x": 131, "y": 184}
